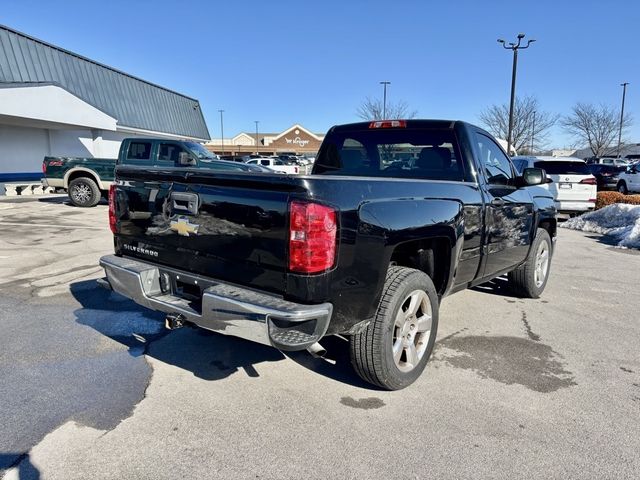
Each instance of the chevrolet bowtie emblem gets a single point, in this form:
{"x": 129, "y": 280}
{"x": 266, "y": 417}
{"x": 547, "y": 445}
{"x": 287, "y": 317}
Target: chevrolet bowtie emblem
{"x": 184, "y": 227}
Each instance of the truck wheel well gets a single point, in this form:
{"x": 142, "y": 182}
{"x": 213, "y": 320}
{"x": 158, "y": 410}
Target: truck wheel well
{"x": 432, "y": 256}
{"x": 549, "y": 225}
{"x": 82, "y": 173}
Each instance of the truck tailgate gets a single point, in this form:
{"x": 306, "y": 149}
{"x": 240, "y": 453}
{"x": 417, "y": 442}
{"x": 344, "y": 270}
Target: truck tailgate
{"x": 227, "y": 226}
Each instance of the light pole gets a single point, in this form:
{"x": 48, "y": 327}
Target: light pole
{"x": 624, "y": 93}
{"x": 515, "y": 47}
{"x": 257, "y": 122}
{"x": 533, "y": 131}
{"x": 384, "y": 100}
{"x": 222, "y": 130}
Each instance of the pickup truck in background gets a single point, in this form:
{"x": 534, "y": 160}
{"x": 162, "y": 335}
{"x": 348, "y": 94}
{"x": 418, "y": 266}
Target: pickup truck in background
{"x": 87, "y": 180}
{"x": 396, "y": 216}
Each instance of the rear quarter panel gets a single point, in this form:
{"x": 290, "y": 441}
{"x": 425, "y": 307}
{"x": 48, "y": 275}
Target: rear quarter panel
{"x": 376, "y": 216}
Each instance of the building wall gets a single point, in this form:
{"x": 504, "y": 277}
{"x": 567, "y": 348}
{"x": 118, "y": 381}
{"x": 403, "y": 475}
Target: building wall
{"x": 23, "y": 148}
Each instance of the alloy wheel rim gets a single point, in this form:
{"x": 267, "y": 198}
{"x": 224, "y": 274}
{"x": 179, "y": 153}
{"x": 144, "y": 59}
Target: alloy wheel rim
{"x": 542, "y": 264}
{"x": 81, "y": 193}
{"x": 411, "y": 331}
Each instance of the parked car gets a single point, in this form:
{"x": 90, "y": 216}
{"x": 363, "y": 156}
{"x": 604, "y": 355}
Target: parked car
{"x": 629, "y": 180}
{"x": 361, "y": 248}
{"x": 573, "y": 186}
{"x": 275, "y": 164}
{"x": 606, "y": 175}
{"x": 618, "y": 162}
{"x": 88, "y": 179}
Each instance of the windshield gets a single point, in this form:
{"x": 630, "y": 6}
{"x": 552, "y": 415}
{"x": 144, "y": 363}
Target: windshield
{"x": 406, "y": 152}
{"x": 564, "y": 167}
{"x": 201, "y": 152}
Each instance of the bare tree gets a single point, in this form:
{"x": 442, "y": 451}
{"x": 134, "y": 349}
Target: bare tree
{"x": 529, "y": 122}
{"x": 371, "y": 109}
{"x": 595, "y": 125}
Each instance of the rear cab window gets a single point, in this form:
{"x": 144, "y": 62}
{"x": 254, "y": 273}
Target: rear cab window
{"x": 420, "y": 153}
{"x": 139, "y": 152}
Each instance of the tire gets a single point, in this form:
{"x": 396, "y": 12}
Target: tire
{"x": 622, "y": 187}
{"x": 413, "y": 335}
{"x": 530, "y": 278}
{"x": 84, "y": 192}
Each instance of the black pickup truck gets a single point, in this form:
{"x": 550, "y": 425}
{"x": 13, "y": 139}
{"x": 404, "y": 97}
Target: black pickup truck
{"x": 395, "y": 216}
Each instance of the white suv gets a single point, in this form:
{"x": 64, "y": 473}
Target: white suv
{"x": 629, "y": 181}
{"x": 275, "y": 164}
{"x": 573, "y": 188}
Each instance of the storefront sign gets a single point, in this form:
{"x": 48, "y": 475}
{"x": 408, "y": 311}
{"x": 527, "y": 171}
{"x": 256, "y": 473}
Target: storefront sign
{"x": 296, "y": 141}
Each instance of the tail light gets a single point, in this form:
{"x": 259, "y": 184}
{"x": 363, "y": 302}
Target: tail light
{"x": 295, "y": 169}
{"x": 44, "y": 166}
{"x": 389, "y": 124}
{"x": 312, "y": 237}
{"x": 112, "y": 208}
{"x": 589, "y": 181}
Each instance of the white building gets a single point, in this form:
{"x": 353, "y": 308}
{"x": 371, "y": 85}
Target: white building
{"x": 55, "y": 102}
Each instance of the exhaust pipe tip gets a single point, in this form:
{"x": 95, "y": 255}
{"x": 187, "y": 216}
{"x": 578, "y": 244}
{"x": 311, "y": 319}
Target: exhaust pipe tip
{"x": 316, "y": 350}
{"x": 174, "y": 320}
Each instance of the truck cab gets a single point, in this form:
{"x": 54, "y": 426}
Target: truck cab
{"x": 164, "y": 153}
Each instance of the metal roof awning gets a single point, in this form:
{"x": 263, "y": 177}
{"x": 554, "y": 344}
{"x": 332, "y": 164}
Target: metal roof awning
{"x": 134, "y": 102}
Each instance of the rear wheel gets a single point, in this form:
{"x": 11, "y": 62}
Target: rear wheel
{"x": 622, "y": 187}
{"x": 84, "y": 192}
{"x": 394, "y": 349}
{"x": 530, "y": 278}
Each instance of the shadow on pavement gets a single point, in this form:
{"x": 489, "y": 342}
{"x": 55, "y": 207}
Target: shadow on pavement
{"x": 60, "y": 199}
{"x": 26, "y": 470}
{"x": 497, "y": 286}
{"x": 64, "y": 200}
{"x": 336, "y": 364}
{"x": 207, "y": 355}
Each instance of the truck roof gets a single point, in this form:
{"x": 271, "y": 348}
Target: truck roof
{"x": 412, "y": 123}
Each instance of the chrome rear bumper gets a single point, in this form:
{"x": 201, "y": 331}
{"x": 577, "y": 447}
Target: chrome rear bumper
{"x": 222, "y": 307}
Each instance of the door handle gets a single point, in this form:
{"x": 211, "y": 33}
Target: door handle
{"x": 497, "y": 202}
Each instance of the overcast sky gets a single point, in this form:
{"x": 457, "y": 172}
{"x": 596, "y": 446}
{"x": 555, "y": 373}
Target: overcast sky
{"x": 285, "y": 62}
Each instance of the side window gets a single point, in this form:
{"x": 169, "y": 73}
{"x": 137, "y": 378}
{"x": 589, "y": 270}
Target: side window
{"x": 278, "y": 162}
{"x": 493, "y": 161}
{"x": 169, "y": 153}
{"x": 139, "y": 151}
{"x": 520, "y": 165}
{"x": 264, "y": 162}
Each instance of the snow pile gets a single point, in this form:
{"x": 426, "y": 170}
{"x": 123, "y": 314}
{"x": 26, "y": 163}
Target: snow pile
{"x": 620, "y": 221}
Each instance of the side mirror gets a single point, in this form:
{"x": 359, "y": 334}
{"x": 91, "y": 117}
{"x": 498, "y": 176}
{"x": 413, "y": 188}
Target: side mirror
{"x": 186, "y": 160}
{"x": 533, "y": 176}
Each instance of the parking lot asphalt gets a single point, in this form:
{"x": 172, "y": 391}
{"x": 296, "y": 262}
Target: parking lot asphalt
{"x": 91, "y": 386}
